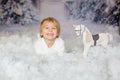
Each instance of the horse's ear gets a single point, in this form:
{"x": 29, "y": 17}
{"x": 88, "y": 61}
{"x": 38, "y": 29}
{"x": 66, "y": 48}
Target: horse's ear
{"x": 74, "y": 25}
{"x": 82, "y": 25}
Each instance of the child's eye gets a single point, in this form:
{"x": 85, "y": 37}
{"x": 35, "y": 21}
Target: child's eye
{"x": 46, "y": 27}
{"x": 54, "y": 28}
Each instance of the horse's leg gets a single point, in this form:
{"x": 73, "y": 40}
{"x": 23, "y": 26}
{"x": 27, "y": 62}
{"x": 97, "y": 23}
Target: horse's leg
{"x": 86, "y": 48}
{"x": 105, "y": 43}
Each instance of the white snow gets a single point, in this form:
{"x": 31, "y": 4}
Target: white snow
{"x": 18, "y": 60}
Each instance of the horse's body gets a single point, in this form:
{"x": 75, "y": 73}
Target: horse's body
{"x": 91, "y": 40}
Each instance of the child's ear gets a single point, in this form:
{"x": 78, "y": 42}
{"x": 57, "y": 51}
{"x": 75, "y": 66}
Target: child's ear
{"x": 41, "y": 35}
{"x": 57, "y": 36}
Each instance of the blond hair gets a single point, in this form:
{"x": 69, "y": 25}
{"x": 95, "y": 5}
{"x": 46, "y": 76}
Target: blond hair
{"x": 54, "y": 21}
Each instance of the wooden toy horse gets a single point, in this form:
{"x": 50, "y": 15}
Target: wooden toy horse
{"x": 91, "y": 40}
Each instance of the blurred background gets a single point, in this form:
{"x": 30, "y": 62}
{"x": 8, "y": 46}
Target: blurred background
{"x": 27, "y": 11}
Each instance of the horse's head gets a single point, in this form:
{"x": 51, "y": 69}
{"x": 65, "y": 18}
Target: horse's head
{"x": 79, "y": 29}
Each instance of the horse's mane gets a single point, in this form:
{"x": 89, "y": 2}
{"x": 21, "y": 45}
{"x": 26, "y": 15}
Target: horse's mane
{"x": 87, "y": 30}
{"x": 88, "y": 36}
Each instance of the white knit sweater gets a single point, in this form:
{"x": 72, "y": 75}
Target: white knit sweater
{"x": 42, "y": 48}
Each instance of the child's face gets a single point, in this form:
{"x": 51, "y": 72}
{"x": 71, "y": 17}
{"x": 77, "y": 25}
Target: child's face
{"x": 49, "y": 31}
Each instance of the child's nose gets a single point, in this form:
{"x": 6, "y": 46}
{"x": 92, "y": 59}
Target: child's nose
{"x": 50, "y": 29}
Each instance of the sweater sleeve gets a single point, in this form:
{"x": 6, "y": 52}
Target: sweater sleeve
{"x": 59, "y": 46}
{"x": 39, "y": 47}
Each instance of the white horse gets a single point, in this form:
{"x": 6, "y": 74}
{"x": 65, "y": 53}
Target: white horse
{"x": 91, "y": 40}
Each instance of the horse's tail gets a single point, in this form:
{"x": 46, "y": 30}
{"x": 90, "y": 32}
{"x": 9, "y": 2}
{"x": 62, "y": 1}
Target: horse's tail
{"x": 110, "y": 37}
